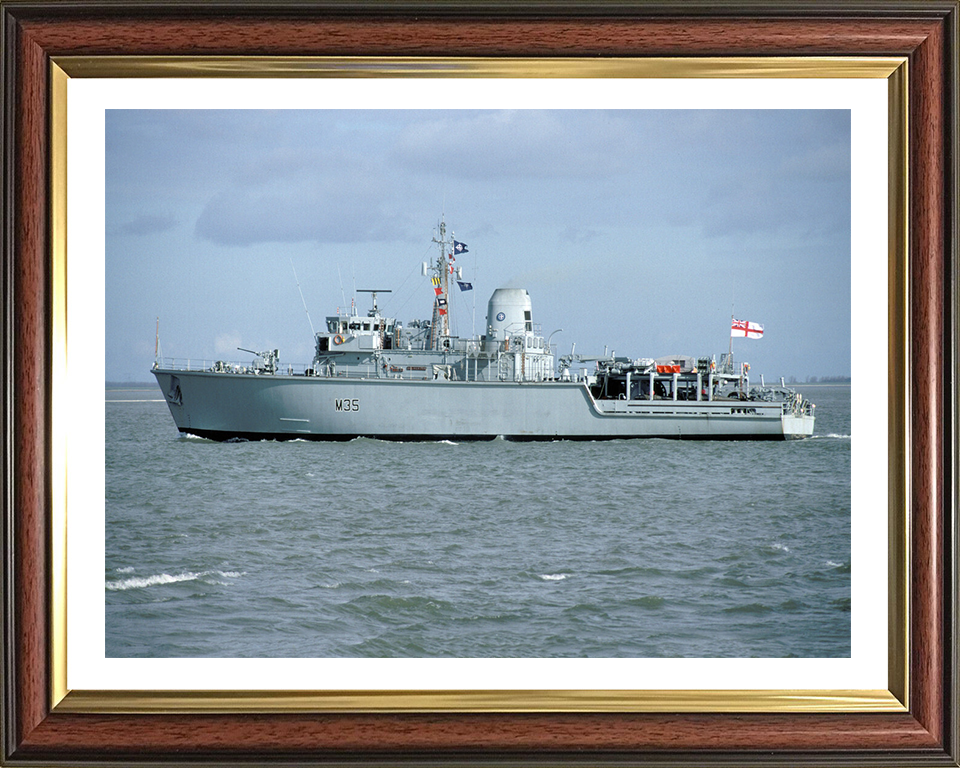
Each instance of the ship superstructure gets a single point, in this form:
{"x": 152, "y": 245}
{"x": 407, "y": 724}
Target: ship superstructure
{"x": 374, "y": 346}
{"x": 373, "y": 376}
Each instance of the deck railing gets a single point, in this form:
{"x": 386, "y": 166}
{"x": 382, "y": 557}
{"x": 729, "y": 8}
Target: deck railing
{"x": 224, "y": 366}
{"x": 415, "y": 372}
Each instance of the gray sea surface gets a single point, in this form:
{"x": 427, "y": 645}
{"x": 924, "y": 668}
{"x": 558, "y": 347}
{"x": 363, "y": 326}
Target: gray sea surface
{"x": 633, "y": 548}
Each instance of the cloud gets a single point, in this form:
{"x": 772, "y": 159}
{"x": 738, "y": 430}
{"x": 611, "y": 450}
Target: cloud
{"x": 517, "y": 143}
{"x": 227, "y": 343}
{"x": 804, "y": 187}
{"x": 147, "y": 224}
{"x": 578, "y": 235}
{"x": 320, "y": 190}
{"x": 806, "y": 193}
{"x": 246, "y": 218}
{"x": 336, "y": 208}
{"x": 552, "y": 275}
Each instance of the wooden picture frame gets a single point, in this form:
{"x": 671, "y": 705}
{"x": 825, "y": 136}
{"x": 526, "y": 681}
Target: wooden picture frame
{"x": 37, "y": 730}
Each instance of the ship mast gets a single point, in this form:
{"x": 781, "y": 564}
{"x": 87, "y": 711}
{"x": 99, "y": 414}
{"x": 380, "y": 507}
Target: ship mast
{"x": 441, "y": 305}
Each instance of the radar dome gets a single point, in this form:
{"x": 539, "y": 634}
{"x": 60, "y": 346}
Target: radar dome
{"x": 509, "y": 313}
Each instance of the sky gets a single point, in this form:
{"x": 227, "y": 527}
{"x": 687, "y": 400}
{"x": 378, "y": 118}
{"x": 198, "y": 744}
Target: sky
{"x": 634, "y": 231}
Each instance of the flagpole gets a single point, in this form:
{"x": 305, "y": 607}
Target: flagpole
{"x": 474, "y": 332}
{"x": 730, "y": 349}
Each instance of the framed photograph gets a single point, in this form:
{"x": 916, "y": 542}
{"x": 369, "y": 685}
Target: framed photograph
{"x": 79, "y": 80}
{"x": 377, "y": 576}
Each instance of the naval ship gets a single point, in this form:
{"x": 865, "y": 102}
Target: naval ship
{"x": 372, "y": 376}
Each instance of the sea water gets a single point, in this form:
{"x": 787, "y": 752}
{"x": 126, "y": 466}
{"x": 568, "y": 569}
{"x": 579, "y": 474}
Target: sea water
{"x": 628, "y": 548}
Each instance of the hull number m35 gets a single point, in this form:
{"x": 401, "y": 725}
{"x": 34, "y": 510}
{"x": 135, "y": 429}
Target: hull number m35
{"x": 347, "y": 404}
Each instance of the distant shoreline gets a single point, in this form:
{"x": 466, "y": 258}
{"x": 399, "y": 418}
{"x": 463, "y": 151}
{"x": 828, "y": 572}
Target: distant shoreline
{"x": 822, "y": 384}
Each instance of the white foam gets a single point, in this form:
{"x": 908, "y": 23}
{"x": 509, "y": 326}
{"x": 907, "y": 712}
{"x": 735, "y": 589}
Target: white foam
{"x": 140, "y": 582}
{"x": 553, "y": 576}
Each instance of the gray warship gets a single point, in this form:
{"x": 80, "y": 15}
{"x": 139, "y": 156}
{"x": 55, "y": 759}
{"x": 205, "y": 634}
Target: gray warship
{"x": 371, "y": 376}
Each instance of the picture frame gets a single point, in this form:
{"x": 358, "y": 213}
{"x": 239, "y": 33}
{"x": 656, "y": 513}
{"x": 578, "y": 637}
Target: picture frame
{"x": 917, "y": 720}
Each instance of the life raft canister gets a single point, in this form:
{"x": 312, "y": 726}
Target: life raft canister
{"x": 338, "y": 339}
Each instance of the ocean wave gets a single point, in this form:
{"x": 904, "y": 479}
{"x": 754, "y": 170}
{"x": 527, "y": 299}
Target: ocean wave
{"x": 792, "y": 605}
{"x": 140, "y": 582}
{"x": 831, "y": 436}
{"x": 749, "y": 608}
{"x": 650, "y": 601}
{"x": 553, "y": 576}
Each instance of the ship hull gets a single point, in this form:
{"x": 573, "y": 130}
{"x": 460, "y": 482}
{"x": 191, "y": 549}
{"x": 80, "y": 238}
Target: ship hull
{"x": 230, "y": 406}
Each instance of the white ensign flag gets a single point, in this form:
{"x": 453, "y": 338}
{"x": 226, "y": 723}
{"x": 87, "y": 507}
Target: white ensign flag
{"x": 743, "y": 329}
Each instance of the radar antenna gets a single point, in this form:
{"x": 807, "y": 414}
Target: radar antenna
{"x": 374, "y": 311}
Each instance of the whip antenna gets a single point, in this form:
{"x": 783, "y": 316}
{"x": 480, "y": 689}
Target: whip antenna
{"x": 342, "y": 294}
{"x": 312, "y": 332}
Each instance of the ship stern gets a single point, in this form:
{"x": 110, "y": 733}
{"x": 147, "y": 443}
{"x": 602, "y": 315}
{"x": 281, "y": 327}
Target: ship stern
{"x": 797, "y": 425}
